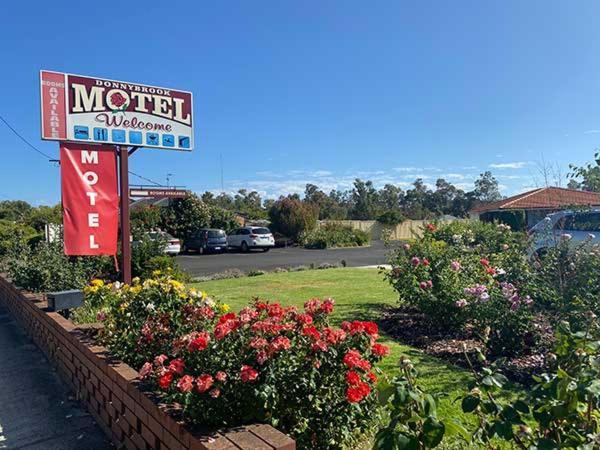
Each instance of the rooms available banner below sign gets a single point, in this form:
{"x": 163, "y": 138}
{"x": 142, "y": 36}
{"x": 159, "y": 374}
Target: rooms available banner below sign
{"x": 97, "y": 110}
{"x": 90, "y": 200}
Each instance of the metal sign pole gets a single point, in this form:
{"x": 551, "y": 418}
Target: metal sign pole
{"x": 123, "y": 153}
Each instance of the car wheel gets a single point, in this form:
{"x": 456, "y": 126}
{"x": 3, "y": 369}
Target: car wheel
{"x": 266, "y": 249}
{"x": 244, "y": 247}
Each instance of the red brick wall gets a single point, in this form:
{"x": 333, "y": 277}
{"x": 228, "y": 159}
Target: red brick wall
{"x": 108, "y": 388}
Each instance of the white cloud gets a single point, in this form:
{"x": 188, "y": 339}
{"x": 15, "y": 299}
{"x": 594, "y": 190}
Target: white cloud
{"x": 591, "y": 132}
{"x": 509, "y": 165}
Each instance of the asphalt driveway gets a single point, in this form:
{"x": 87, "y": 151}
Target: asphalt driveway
{"x": 202, "y": 265}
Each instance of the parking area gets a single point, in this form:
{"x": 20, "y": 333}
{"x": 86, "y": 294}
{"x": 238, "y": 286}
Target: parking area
{"x": 202, "y": 265}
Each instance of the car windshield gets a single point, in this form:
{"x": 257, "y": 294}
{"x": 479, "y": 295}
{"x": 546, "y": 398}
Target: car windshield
{"x": 216, "y": 233}
{"x": 261, "y": 231}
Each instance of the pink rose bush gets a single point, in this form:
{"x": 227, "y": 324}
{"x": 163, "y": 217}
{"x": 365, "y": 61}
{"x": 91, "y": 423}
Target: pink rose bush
{"x": 267, "y": 362}
{"x": 470, "y": 277}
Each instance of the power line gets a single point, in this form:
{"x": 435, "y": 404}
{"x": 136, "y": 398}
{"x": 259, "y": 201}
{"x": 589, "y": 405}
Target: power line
{"x": 50, "y": 158}
{"x": 25, "y": 140}
{"x": 144, "y": 178}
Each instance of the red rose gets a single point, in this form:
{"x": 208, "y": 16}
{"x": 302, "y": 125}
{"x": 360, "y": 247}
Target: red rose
{"x": 352, "y": 358}
{"x": 319, "y": 346}
{"x": 355, "y": 394}
{"x": 327, "y": 306}
{"x": 185, "y": 383}
{"x": 380, "y": 350}
{"x": 352, "y": 378}
{"x": 484, "y": 262}
{"x": 204, "y": 383}
{"x": 215, "y": 393}
{"x": 312, "y": 306}
{"x": 200, "y": 342}
{"x": 117, "y": 99}
{"x": 371, "y": 328}
{"x": 280, "y": 343}
{"x": 275, "y": 310}
{"x": 248, "y": 374}
{"x": 258, "y": 342}
{"x": 177, "y": 366}
{"x": 311, "y": 331}
{"x": 305, "y": 319}
{"x": 425, "y": 262}
{"x": 431, "y": 227}
{"x": 221, "y": 376}
{"x": 372, "y": 377}
{"x": 165, "y": 381}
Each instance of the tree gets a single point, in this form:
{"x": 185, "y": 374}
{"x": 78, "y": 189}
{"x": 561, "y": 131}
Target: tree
{"x": 185, "y": 215}
{"x": 291, "y": 216}
{"x": 364, "y": 199}
{"x": 222, "y": 218}
{"x": 144, "y": 219}
{"x": 14, "y": 210}
{"x": 390, "y": 198}
{"x": 486, "y": 188}
{"x": 416, "y": 200}
{"x": 589, "y": 175}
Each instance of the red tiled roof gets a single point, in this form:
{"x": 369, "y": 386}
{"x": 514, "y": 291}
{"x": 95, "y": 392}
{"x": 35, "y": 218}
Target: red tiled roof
{"x": 544, "y": 198}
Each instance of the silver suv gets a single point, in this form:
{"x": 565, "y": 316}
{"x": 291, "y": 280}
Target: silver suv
{"x": 576, "y": 226}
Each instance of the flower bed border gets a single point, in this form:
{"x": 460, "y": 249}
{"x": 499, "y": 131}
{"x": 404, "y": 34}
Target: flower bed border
{"x": 108, "y": 388}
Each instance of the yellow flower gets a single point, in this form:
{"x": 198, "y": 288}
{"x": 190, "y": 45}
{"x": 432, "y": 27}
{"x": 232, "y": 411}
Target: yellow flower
{"x": 156, "y": 273}
{"x": 123, "y": 306}
{"x": 97, "y": 282}
{"x": 177, "y": 285}
{"x": 225, "y": 307}
{"x": 135, "y": 289}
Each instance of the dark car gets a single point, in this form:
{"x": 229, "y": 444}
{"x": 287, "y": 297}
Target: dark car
{"x": 206, "y": 240}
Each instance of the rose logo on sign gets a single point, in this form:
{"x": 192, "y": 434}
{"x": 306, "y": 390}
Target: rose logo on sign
{"x": 117, "y": 103}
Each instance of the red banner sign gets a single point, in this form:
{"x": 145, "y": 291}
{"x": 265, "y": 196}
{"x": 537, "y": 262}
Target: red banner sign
{"x": 90, "y": 199}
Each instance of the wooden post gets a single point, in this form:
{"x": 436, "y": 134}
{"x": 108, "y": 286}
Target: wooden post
{"x": 123, "y": 153}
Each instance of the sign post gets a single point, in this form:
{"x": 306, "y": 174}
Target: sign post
{"x": 123, "y": 153}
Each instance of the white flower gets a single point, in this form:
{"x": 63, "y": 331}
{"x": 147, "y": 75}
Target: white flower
{"x": 500, "y": 271}
{"x": 566, "y": 236}
{"x": 209, "y": 302}
{"x": 150, "y": 307}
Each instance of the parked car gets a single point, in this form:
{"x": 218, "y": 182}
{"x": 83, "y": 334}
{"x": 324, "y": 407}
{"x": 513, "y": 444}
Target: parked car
{"x": 206, "y": 240}
{"x": 577, "y": 226}
{"x": 251, "y": 237}
{"x": 172, "y": 244}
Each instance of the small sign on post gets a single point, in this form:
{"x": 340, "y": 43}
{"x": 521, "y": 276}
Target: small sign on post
{"x": 159, "y": 193}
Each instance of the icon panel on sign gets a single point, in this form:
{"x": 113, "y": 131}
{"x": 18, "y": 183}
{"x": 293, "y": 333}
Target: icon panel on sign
{"x": 100, "y": 134}
{"x": 135, "y": 137}
{"x": 152, "y": 138}
{"x": 81, "y": 132}
{"x": 184, "y": 141}
{"x": 168, "y": 140}
{"x": 118, "y": 135}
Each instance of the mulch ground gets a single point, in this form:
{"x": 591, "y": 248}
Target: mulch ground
{"x": 411, "y": 327}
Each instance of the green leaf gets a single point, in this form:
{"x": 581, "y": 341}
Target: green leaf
{"x": 469, "y": 403}
{"x": 385, "y": 392}
{"x": 385, "y": 440}
{"x": 594, "y": 388}
{"x": 454, "y": 428}
{"x": 433, "y": 432}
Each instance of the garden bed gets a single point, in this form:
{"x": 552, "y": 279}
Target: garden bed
{"x": 110, "y": 391}
{"x": 411, "y": 327}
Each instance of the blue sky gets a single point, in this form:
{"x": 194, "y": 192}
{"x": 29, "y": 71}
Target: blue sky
{"x": 322, "y": 91}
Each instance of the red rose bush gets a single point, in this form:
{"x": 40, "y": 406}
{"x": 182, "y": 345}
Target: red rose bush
{"x": 266, "y": 363}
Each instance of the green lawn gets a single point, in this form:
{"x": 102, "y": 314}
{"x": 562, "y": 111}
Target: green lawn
{"x": 359, "y": 294}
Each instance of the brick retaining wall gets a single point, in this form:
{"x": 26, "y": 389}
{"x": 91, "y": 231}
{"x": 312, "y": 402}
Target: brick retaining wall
{"x": 108, "y": 388}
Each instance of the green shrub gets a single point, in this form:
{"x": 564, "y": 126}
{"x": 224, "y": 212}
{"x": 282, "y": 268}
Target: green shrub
{"x": 14, "y": 235}
{"x": 391, "y": 218}
{"x": 333, "y": 234}
{"x": 560, "y": 411}
{"x": 222, "y": 218}
{"x": 46, "y": 268}
{"x": 292, "y": 217}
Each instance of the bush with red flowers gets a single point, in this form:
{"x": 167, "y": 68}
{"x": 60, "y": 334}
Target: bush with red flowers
{"x": 267, "y": 363}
